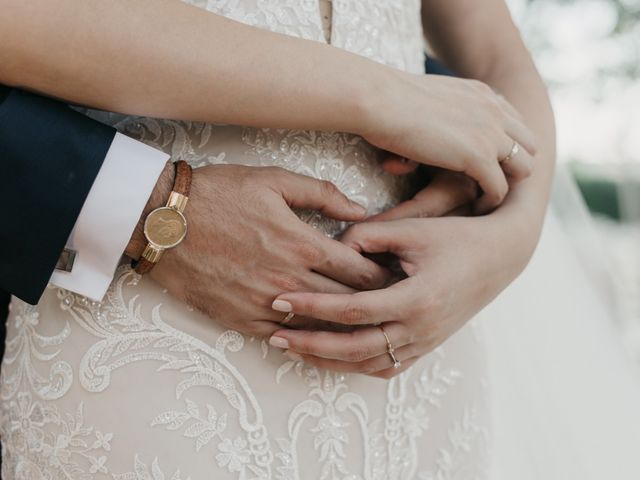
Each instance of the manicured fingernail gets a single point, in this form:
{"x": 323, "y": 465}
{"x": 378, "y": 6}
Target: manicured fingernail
{"x": 293, "y": 356}
{"x": 279, "y": 342}
{"x": 282, "y": 306}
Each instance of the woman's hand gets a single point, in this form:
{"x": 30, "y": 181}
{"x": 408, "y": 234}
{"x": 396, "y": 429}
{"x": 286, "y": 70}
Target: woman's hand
{"x": 448, "y": 193}
{"x": 245, "y": 246}
{"x": 456, "y": 124}
{"x": 455, "y": 267}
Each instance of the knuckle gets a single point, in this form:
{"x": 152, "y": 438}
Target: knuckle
{"x": 497, "y": 194}
{"x": 421, "y": 311}
{"x": 358, "y": 354}
{"x": 481, "y": 152}
{"x": 287, "y": 282}
{"x": 487, "y": 148}
{"x": 353, "y": 314}
{"x": 367, "y": 279}
{"x": 468, "y": 188}
{"x": 302, "y": 344}
{"x": 328, "y": 189}
{"x": 309, "y": 253}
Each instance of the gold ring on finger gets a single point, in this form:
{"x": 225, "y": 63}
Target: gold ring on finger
{"x": 287, "y": 318}
{"x": 515, "y": 149}
{"x": 390, "y": 349}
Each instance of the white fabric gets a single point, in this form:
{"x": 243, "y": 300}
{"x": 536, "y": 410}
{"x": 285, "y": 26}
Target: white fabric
{"x": 565, "y": 394}
{"x": 109, "y": 215}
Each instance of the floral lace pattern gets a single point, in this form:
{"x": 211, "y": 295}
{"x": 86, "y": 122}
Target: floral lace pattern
{"x": 229, "y": 427}
{"x": 141, "y": 387}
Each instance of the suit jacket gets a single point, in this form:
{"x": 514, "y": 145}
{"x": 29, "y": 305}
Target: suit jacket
{"x": 50, "y": 156}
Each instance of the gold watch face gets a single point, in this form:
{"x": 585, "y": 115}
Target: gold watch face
{"x": 165, "y": 227}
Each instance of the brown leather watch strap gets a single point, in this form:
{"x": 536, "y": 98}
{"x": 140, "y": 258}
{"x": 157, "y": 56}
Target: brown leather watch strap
{"x": 182, "y": 182}
{"x": 142, "y": 266}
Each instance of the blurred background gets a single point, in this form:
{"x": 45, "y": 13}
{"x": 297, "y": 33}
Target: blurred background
{"x": 589, "y": 53}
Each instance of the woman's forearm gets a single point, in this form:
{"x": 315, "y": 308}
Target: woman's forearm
{"x": 163, "y": 58}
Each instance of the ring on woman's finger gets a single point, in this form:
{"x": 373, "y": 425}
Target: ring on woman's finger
{"x": 288, "y": 317}
{"x": 390, "y": 349}
{"x": 515, "y": 149}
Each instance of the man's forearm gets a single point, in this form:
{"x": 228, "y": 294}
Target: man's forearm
{"x": 163, "y": 58}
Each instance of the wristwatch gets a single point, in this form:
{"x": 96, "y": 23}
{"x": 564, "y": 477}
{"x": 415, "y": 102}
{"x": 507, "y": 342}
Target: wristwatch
{"x": 166, "y": 227}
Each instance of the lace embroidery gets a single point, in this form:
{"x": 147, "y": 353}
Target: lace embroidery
{"x": 26, "y": 349}
{"x": 451, "y": 462}
{"x": 345, "y": 160}
{"x": 392, "y": 455}
{"x": 329, "y": 401}
{"x": 127, "y": 338}
{"x": 42, "y": 443}
{"x": 142, "y": 472}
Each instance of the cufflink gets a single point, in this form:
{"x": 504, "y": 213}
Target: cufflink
{"x": 66, "y": 260}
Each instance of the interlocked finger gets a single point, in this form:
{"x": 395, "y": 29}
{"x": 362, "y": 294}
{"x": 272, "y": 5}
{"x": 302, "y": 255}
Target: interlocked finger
{"x": 344, "y": 264}
{"x": 494, "y": 185}
{"x": 447, "y": 192}
{"x": 361, "y": 308}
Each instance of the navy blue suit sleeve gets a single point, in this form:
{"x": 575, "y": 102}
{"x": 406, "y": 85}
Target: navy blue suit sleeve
{"x": 50, "y": 156}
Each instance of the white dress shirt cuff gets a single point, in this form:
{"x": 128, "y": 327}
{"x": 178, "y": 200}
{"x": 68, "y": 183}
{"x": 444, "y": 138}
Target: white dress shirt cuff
{"x": 109, "y": 215}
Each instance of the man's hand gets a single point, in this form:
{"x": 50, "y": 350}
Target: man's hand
{"x": 245, "y": 245}
{"x": 455, "y": 267}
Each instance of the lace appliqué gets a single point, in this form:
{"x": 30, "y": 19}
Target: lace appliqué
{"x": 127, "y": 337}
{"x": 142, "y": 472}
{"x": 28, "y": 348}
{"x": 345, "y": 160}
{"x": 391, "y": 451}
{"x": 42, "y": 443}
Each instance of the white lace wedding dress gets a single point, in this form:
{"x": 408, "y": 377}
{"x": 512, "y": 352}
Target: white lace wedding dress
{"x": 141, "y": 387}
